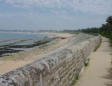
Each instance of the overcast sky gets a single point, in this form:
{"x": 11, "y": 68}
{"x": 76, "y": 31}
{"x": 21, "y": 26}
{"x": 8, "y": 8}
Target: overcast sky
{"x": 53, "y": 14}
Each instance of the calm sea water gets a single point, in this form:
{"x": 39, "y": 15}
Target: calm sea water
{"x": 10, "y": 37}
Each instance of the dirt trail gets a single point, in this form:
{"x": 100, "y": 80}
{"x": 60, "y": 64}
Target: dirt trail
{"x": 97, "y": 72}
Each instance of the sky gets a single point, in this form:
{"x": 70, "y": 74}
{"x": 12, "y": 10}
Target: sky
{"x": 53, "y": 14}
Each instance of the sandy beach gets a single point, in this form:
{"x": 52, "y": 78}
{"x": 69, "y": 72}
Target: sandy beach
{"x": 17, "y": 60}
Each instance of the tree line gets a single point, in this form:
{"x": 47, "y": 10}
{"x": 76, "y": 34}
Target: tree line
{"x": 105, "y": 29}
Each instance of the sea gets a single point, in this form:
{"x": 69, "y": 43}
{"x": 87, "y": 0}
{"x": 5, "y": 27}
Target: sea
{"x": 10, "y": 41}
{"x": 11, "y": 37}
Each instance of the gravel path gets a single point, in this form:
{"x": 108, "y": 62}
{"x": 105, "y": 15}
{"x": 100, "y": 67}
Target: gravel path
{"x": 98, "y": 70}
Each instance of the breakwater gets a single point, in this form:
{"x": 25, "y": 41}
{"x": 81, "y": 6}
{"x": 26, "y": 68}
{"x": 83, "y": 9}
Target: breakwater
{"x": 59, "y": 68}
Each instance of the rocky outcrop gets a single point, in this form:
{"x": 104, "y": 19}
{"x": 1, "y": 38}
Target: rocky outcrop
{"x": 59, "y": 68}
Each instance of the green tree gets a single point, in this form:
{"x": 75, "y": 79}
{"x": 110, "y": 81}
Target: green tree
{"x": 109, "y": 20}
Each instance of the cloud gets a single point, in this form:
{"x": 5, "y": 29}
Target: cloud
{"x": 86, "y": 6}
{"x": 94, "y": 6}
{"x": 35, "y": 3}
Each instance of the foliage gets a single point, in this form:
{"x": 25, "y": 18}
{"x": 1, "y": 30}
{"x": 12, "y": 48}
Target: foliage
{"x": 98, "y": 45}
{"x": 75, "y": 80}
{"x": 92, "y": 30}
{"x": 104, "y": 30}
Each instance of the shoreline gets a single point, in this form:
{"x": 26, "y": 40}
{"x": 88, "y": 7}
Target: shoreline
{"x": 15, "y": 47}
{"x": 9, "y": 47}
{"x": 17, "y": 60}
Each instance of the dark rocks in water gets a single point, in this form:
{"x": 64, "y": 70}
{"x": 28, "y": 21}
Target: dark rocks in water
{"x": 5, "y": 50}
{"x": 38, "y": 43}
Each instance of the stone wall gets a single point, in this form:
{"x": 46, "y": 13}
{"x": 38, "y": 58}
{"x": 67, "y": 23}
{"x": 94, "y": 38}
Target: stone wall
{"x": 59, "y": 68}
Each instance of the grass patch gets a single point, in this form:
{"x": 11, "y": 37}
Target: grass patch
{"x": 75, "y": 80}
{"x": 96, "y": 48}
{"x": 87, "y": 63}
{"x": 77, "y": 77}
{"x": 109, "y": 36}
